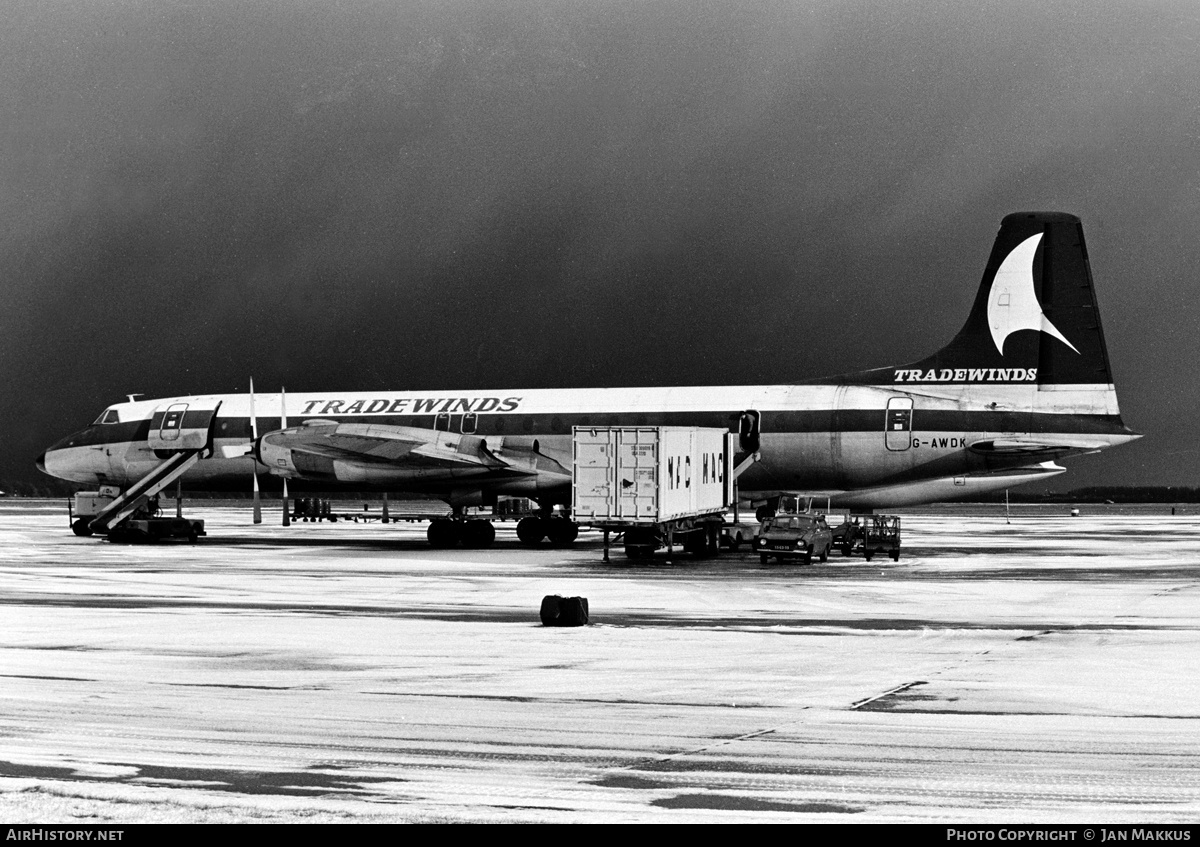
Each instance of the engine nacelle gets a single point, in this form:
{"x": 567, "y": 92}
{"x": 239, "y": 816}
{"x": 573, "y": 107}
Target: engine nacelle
{"x": 280, "y": 461}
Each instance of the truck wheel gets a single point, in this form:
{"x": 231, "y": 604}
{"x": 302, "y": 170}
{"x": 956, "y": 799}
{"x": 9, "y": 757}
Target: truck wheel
{"x": 639, "y": 543}
{"x": 81, "y": 528}
{"x": 895, "y": 555}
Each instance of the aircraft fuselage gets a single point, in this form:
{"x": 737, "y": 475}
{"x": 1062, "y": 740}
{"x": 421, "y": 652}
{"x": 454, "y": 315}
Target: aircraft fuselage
{"x": 836, "y": 439}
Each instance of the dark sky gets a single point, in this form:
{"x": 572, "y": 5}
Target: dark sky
{"x": 403, "y": 195}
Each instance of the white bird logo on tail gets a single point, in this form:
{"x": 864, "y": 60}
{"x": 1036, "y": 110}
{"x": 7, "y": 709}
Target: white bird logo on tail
{"x": 1013, "y": 303}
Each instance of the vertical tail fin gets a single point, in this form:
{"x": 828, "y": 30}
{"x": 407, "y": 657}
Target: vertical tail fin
{"x": 1034, "y": 319}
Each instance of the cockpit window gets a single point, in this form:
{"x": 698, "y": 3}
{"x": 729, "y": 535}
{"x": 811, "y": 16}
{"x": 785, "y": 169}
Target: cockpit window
{"x": 109, "y": 416}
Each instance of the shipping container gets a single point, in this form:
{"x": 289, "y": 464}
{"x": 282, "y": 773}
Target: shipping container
{"x": 650, "y": 475}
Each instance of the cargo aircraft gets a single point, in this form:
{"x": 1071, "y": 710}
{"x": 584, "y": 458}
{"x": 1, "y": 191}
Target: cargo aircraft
{"x": 1025, "y": 383}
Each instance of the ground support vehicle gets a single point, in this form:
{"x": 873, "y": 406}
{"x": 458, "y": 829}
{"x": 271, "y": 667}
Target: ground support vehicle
{"x": 655, "y": 486}
{"x": 144, "y": 524}
{"x": 794, "y": 536}
{"x": 735, "y": 534}
{"x": 83, "y": 508}
{"x": 869, "y": 535}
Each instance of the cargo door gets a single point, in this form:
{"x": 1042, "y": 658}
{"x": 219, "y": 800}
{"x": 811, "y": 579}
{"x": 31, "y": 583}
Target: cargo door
{"x": 593, "y": 473}
{"x": 898, "y": 423}
{"x": 636, "y": 482}
{"x": 182, "y": 426}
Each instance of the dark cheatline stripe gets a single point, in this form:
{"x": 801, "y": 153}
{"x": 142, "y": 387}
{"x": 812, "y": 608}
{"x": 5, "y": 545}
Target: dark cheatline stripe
{"x": 773, "y": 422}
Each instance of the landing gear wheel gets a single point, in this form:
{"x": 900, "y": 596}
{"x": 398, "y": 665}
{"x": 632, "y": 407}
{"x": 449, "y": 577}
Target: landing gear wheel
{"x": 442, "y": 533}
{"x": 81, "y": 528}
{"x": 477, "y": 534}
{"x": 562, "y": 532}
{"x": 531, "y": 530}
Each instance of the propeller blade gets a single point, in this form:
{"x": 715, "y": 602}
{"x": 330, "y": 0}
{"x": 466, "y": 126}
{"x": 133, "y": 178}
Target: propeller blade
{"x": 287, "y": 518}
{"x": 254, "y": 467}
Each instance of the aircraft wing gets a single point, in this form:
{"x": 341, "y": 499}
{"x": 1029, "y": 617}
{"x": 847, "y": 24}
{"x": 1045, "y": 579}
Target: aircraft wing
{"x": 384, "y": 444}
{"x": 328, "y": 448}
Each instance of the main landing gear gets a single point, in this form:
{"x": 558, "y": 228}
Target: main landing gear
{"x": 449, "y": 532}
{"x": 475, "y": 533}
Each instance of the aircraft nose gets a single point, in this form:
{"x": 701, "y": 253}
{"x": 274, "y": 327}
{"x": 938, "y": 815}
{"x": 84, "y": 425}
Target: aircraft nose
{"x": 41, "y": 462}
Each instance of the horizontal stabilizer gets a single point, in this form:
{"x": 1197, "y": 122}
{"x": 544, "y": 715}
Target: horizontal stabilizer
{"x": 1046, "y": 444}
{"x": 945, "y": 488}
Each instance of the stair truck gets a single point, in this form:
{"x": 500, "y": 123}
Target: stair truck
{"x": 179, "y": 436}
